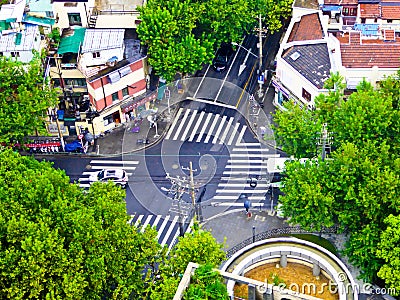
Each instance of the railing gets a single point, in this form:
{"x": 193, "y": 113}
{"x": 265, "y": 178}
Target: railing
{"x": 277, "y": 232}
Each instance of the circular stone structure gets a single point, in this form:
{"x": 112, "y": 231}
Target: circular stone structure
{"x": 283, "y": 249}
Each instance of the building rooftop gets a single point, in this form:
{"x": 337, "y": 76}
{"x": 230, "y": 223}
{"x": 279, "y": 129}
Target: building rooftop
{"x": 366, "y": 53}
{"x": 341, "y": 2}
{"x": 311, "y": 60}
{"x": 40, "y": 5}
{"x": 13, "y": 11}
{"x": 19, "y": 41}
{"x": 312, "y": 4}
{"x": 102, "y": 39}
{"x": 71, "y": 42}
{"x": 308, "y": 28}
{"x": 390, "y": 10}
{"x": 369, "y": 10}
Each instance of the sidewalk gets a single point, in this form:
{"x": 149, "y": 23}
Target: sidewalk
{"x": 234, "y": 226}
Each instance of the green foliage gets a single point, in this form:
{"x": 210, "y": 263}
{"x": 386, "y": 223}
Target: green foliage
{"x": 277, "y": 281}
{"x": 389, "y": 251}
{"x": 59, "y": 243}
{"x": 206, "y": 284}
{"x": 24, "y": 99}
{"x": 297, "y": 130}
{"x": 358, "y": 186}
{"x": 200, "y": 247}
{"x": 183, "y": 35}
{"x": 55, "y": 35}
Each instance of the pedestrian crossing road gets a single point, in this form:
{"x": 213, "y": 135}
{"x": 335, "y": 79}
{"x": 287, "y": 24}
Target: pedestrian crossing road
{"x": 194, "y": 126}
{"x": 167, "y": 228}
{"x": 97, "y": 165}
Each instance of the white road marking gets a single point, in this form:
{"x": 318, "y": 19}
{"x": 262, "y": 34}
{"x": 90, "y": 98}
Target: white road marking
{"x": 196, "y": 126}
{"x": 171, "y": 227}
{"x": 203, "y": 129}
{"x": 210, "y": 131}
{"x": 233, "y": 134}
{"x": 181, "y": 124}
{"x": 149, "y": 217}
{"x": 221, "y": 125}
{"x": 174, "y": 123}
{"x": 120, "y": 168}
{"x": 228, "y": 127}
{"x": 241, "y": 134}
{"x": 162, "y": 226}
{"x": 189, "y": 125}
{"x": 123, "y": 162}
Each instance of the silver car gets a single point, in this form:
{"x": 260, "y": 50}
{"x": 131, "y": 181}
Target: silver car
{"x": 118, "y": 176}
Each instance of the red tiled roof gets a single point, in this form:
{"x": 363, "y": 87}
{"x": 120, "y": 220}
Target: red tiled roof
{"x": 369, "y": 10}
{"x": 368, "y": 55}
{"x": 391, "y": 12}
{"x": 389, "y": 35}
{"x": 340, "y": 2}
{"x": 308, "y": 28}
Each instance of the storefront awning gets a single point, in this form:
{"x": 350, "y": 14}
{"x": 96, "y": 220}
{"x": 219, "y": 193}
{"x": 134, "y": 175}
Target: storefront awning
{"x": 72, "y": 43}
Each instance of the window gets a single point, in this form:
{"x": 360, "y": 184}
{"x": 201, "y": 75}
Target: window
{"x": 389, "y": 21}
{"x": 115, "y": 96}
{"x": 349, "y": 11}
{"x": 362, "y": 20}
{"x": 15, "y": 54}
{"x": 49, "y": 14}
{"x": 306, "y": 95}
{"x": 71, "y": 4}
{"x": 108, "y": 120}
{"x": 96, "y": 54}
{"x": 74, "y": 19}
{"x": 1, "y": 54}
{"x": 75, "y": 81}
{"x": 125, "y": 92}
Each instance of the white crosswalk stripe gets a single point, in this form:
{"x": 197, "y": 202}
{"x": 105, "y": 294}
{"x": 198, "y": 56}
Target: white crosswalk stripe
{"x": 99, "y": 164}
{"x": 205, "y": 127}
{"x": 197, "y": 126}
{"x": 243, "y": 163}
{"x": 167, "y": 227}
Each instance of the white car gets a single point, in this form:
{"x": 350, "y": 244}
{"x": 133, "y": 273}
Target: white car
{"x": 118, "y": 176}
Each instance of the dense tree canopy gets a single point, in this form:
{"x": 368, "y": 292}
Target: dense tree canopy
{"x": 57, "y": 242}
{"x": 60, "y": 242}
{"x": 183, "y": 35}
{"x": 24, "y": 98}
{"x": 358, "y": 186}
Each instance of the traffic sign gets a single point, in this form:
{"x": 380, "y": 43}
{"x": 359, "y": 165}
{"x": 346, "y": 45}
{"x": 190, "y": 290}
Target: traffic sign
{"x": 261, "y": 79}
{"x": 80, "y": 136}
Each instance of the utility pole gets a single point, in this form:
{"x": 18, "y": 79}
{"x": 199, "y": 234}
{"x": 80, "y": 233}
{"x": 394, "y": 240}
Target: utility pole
{"x": 325, "y": 141}
{"x": 260, "y": 73}
{"x": 191, "y": 182}
{"x": 178, "y": 188}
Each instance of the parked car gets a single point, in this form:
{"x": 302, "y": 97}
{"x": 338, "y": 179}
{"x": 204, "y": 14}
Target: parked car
{"x": 118, "y": 176}
{"x": 221, "y": 59}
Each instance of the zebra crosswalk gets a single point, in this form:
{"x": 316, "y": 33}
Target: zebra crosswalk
{"x": 208, "y": 127}
{"x": 167, "y": 227}
{"x": 246, "y": 161}
{"x": 97, "y": 165}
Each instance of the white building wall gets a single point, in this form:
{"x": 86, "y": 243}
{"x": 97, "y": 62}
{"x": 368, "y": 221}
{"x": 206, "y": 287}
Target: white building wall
{"x": 86, "y": 59}
{"x": 61, "y": 12}
{"x": 110, "y": 89}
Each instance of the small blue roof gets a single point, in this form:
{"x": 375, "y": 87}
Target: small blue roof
{"x": 331, "y": 7}
{"x": 367, "y": 29}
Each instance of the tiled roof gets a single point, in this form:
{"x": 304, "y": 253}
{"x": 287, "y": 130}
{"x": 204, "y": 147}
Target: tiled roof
{"x": 371, "y": 53}
{"x": 311, "y": 61}
{"x": 20, "y": 41}
{"x": 102, "y": 39}
{"x": 341, "y": 2}
{"x": 390, "y": 11}
{"x": 308, "y": 28}
{"x": 369, "y": 11}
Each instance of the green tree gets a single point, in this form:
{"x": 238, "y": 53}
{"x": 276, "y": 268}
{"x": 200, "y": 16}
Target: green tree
{"x": 297, "y": 130}
{"x": 359, "y": 185}
{"x": 24, "y": 98}
{"x": 183, "y": 35}
{"x": 305, "y": 198}
{"x": 57, "y": 242}
{"x": 389, "y": 251}
{"x": 206, "y": 284}
{"x": 200, "y": 247}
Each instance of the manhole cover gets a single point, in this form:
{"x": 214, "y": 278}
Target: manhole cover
{"x": 175, "y": 166}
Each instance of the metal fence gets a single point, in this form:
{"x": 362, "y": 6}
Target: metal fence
{"x": 275, "y": 233}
